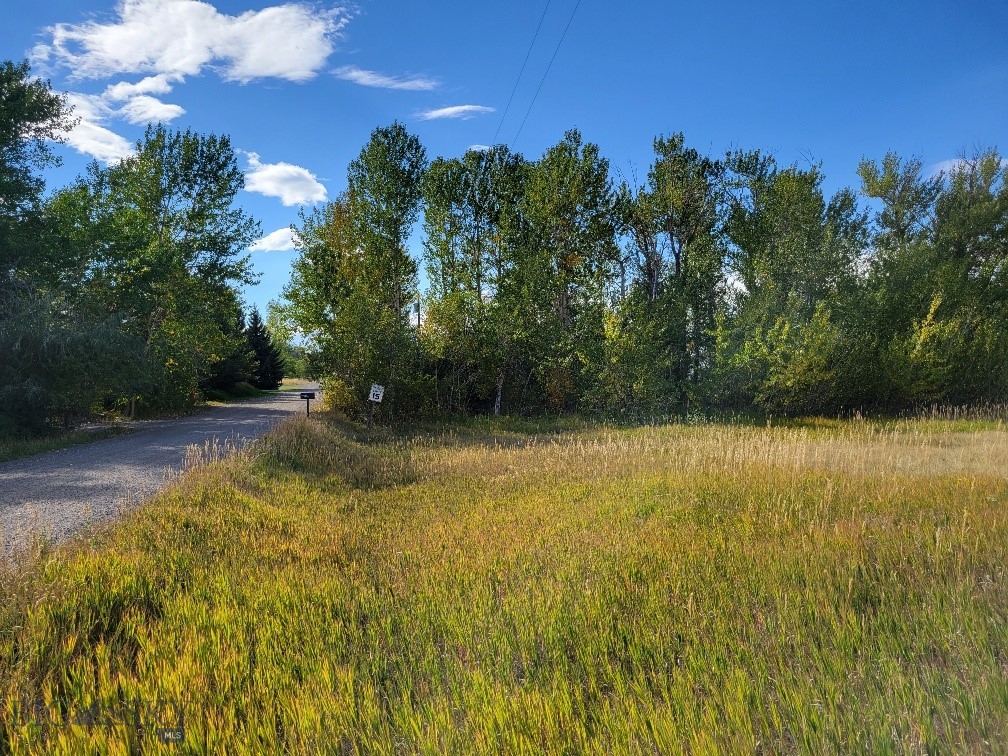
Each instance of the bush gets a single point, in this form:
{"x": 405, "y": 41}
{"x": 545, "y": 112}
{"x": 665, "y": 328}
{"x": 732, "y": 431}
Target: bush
{"x": 58, "y": 366}
{"x": 339, "y": 397}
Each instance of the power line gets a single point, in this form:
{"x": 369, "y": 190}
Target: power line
{"x": 524, "y": 63}
{"x": 543, "y": 80}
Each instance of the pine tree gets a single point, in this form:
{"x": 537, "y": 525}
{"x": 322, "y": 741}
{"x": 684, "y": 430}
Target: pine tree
{"x": 237, "y": 362}
{"x": 271, "y": 363}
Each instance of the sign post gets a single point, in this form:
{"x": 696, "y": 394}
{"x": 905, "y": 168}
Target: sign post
{"x": 375, "y": 397}
{"x": 307, "y": 396}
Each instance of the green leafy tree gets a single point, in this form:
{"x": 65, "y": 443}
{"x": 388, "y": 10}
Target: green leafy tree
{"x": 166, "y": 248}
{"x": 796, "y": 260}
{"x": 971, "y": 245}
{"x": 386, "y": 184}
{"x": 285, "y": 335}
{"x": 477, "y": 308}
{"x": 32, "y": 118}
{"x": 935, "y": 300}
{"x": 354, "y": 282}
{"x": 60, "y": 366}
{"x": 569, "y": 207}
{"x": 334, "y": 299}
{"x": 663, "y": 330}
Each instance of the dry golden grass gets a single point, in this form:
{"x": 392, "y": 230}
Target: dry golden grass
{"x": 500, "y": 587}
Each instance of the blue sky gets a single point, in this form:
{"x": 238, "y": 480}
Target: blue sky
{"x": 299, "y": 87}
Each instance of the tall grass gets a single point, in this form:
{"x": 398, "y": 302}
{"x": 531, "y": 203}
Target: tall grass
{"x": 493, "y": 587}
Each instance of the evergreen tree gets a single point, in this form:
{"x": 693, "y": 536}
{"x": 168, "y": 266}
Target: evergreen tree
{"x": 237, "y": 361}
{"x": 270, "y": 363}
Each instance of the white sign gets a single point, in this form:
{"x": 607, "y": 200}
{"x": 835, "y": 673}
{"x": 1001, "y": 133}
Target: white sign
{"x": 377, "y": 392}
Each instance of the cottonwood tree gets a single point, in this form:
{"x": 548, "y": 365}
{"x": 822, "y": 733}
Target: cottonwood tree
{"x": 476, "y": 312}
{"x": 385, "y": 186}
{"x": 569, "y": 205}
{"x": 354, "y": 282}
{"x": 660, "y": 339}
{"x": 797, "y": 259}
{"x": 32, "y": 119}
{"x": 935, "y": 299}
{"x": 385, "y": 183}
{"x": 166, "y": 246}
{"x": 58, "y": 361}
{"x": 962, "y": 344}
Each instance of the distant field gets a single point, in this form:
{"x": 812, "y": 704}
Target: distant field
{"x": 522, "y": 588}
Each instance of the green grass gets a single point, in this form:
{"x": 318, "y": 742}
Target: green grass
{"x": 292, "y": 384}
{"x": 237, "y": 393}
{"x": 15, "y": 447}
{"x": 515, "y": 587}
{"x": 247, "y": 391}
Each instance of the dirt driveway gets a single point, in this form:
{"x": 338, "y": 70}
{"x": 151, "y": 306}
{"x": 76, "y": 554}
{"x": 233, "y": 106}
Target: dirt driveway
{"x": 59, "y": 492}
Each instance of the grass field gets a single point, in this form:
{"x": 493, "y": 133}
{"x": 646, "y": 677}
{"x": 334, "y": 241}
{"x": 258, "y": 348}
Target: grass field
{"x": 519, "y": 588}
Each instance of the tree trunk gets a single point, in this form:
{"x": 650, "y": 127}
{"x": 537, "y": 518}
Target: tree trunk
{"x": 500, "y": 391}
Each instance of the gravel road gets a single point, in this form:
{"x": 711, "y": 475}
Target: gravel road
{"x": 59, "y": 492}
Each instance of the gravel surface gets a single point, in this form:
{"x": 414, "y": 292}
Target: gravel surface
{"x": 59, "y": 492}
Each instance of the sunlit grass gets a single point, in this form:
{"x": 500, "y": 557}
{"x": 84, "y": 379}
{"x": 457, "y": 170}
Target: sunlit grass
{"x": 538, "y": 587}
{"x": 293, "y": 384}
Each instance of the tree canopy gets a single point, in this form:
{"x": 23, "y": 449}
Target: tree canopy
{"x": 721, "y": 283}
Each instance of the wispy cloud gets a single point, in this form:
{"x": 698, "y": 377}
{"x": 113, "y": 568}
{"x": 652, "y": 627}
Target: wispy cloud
{"x": 950, "y": 166}
{"x": 147, "y": 109}
{"x": 292, "y": 184}
{"x": 455, "y": 111}
{"x": 367, "y": 78}
{"x": 478, "y": 147}
{"x": 90, "y": 136}
{"x": 945, "y": 166}
{"x": 182, "y": 37}
{"x": 150, "y": 85}
{"x": 281, "y": 240}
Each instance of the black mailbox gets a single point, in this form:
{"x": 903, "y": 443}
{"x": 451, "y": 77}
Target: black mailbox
{"x": 307, "y": 394}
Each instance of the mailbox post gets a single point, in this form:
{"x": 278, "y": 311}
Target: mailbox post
{"x": 307, "y": 396}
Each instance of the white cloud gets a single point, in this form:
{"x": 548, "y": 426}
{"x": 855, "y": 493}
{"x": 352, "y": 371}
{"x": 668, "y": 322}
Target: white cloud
{"x": 146, "y": 109}
{"x": 946, "y": 166}
{"x": 151, "y": 85}
{"x": 455, "y": 111}
{"x": 374, "y": 79}
{"x": 99, "y": 142}
{"x": 89, "y": 136}
{"x": 280, "y": 240}
{"x": 181, "y": 37}
{"x": 478, "y": 148}
{"x": 949, "y": 166}
{"x": 293, "y": 184}
{"x": 92, "y": 137}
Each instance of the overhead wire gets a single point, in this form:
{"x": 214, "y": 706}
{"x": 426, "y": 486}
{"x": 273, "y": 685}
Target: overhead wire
{"x": 524, "y": 63}
{"x": 546, "y": 73}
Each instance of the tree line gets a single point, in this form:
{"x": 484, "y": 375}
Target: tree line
{"x": 718, "y": 283}
{"x": 120, "y": 291}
